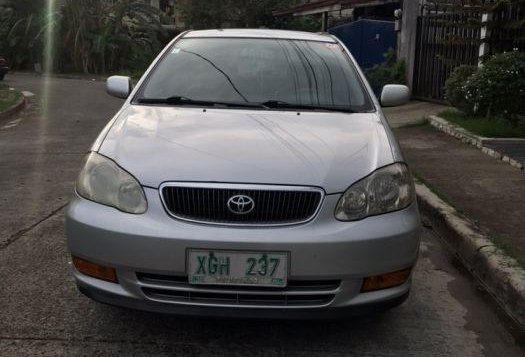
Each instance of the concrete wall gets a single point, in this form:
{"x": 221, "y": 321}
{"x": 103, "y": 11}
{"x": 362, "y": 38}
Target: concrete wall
{"x": 407, "y": 40}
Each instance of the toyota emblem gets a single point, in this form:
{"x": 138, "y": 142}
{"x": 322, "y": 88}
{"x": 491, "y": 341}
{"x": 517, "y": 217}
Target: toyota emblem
{"x": 241, "y": 204}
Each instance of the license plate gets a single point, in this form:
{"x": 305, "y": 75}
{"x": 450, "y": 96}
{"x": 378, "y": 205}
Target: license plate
{"x": 219, "y": 267}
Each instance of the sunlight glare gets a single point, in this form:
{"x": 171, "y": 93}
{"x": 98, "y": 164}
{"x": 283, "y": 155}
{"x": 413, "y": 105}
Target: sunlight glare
{"x": 48, "y": 53}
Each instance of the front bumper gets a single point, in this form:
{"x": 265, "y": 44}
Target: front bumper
{"x": 109, "y": 298}
{"x": 322, "y": 250}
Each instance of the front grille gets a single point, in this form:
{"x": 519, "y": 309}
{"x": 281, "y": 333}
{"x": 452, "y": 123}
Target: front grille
{"x": 270, "y": 205}
{"x": 237, "y": 299}
{"x": 298, "y": 293}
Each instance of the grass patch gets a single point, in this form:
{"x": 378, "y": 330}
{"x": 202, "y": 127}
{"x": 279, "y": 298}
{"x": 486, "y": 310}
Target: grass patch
{"x": 488, "y": 127}
{"x": 8, "y": 97}
{"x": 508, "y": 249}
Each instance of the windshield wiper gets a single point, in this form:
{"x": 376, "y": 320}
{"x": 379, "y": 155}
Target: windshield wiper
{"x": 270, "y": 104}
{"x": 178, "y": 100}
{"x": 275, "y": 104}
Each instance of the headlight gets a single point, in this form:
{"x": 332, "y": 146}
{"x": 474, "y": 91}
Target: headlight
{"x": 103, "y": 181}
{"x": 387, "y": 189}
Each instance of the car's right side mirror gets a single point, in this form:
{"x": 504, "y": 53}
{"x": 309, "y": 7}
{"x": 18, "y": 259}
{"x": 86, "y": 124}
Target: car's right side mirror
{"x": 393, "y": 95}
{"x": 119, "y": 86}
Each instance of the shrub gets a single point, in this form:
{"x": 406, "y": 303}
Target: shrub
{"x": 497, "y": 89}
{"x": 389, "y": 72}
{"x": 455, "y": 88}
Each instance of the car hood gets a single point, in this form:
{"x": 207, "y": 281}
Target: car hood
{"x": 326, "y": 149}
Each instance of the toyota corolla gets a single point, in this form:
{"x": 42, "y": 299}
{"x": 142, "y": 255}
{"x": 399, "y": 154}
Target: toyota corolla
{"x": 248, "y": 173}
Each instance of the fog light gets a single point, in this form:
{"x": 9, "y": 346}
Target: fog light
{"x": 385, "y": 281}
{"x": 95, "y": 270}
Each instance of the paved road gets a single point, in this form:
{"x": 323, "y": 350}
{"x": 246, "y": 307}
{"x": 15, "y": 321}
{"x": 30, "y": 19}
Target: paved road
{"x": 40, "y": 156}
{"x": 513, "y": 148}
{"x": 488, "y": 191}
{"x": 412, "y": 114}
{"x": 41, "y": 313}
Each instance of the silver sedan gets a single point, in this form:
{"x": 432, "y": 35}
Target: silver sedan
{"x": 249, "y": 173}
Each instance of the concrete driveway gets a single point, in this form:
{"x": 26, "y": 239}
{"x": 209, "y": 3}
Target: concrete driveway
{"x": 412, "y": 113}
{"x": 42, "y": 313}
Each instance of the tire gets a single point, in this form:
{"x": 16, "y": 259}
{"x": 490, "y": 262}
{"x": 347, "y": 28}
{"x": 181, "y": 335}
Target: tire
{"x": 2, "y": 77}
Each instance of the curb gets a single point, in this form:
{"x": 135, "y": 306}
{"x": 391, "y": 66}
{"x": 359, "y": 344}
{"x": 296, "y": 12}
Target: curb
{"x": 499, "y": 274}
{"x": 14, "y": 109}
{"x": 472, "y": 139}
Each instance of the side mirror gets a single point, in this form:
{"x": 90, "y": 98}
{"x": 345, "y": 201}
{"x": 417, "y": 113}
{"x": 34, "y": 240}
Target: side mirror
{"x": 394, "y": 94}
{"x": 119, "y": 86}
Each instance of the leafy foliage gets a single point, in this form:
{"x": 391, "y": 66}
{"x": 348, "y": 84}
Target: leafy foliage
{"x": 104, "y": 37}
{"x": 302, "y": 23}
{"x": 390, "y": 71}
{"x": 494, "y": 90}
{"x": 22, "y": 27}
{"x": 202, "y": 14}
{"x": 497, "y": 89}
{"x": 92, "y": 36}
{"x": 455, "y": 88}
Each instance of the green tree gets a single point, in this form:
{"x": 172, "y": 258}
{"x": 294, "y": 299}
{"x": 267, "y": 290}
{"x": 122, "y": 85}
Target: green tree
{"x": 25, "y": 7}
{"x": 91, "y": 36}
{"x": 302, "y": 23}
{"x": 22, "y": 27}
{"x": 203, "y": 14}
{"x": 98, "y": 36}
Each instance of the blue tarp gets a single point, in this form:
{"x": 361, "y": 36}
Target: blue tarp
{"x": 367, "y": 39}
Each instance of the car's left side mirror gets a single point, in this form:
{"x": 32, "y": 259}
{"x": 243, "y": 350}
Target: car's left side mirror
{"x": 393, "y": 95}
{"x": 119, "y": 86}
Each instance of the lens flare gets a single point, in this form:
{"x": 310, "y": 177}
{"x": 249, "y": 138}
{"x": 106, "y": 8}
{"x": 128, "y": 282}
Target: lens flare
{"x": 50, "y": 21}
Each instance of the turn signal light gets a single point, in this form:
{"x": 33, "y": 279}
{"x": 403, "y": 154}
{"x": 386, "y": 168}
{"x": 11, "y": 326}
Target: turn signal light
{"x": 385, "y": 281}
{"x": 95, "y": 270}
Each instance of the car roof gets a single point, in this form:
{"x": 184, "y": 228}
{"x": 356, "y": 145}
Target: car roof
{"x": 260, "y": 33}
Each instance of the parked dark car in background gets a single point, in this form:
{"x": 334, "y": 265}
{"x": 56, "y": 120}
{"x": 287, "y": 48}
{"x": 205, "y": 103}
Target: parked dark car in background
{"x": 3, "y": 68}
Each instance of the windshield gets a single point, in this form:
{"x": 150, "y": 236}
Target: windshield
{"x": 229, "y": 70}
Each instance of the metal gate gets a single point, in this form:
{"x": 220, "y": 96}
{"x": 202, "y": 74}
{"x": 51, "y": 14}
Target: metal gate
{"x": 368, "y": 40}
{"x": 444, "y": 41}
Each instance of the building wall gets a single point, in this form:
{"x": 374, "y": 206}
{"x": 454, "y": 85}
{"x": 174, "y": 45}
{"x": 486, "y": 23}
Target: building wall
{"x": 407, "y": 37}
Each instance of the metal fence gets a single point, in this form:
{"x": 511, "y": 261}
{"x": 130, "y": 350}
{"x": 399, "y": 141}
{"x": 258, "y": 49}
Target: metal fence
{"x": 449, "y": 36}
{"x": 507, "y": 28}
{"x": 443, "y": 43}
